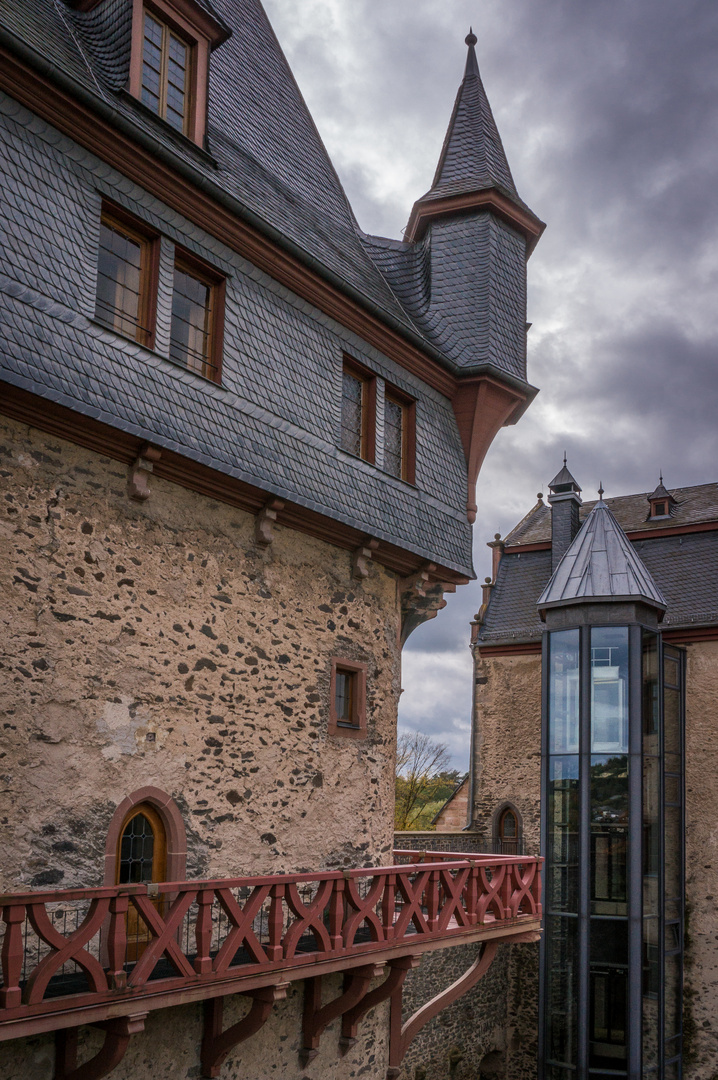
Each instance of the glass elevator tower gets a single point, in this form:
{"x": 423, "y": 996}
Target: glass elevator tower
{"x": 612, "y": 818}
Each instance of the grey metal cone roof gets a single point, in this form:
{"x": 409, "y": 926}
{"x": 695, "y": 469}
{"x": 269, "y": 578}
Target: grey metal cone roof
{"x": 602, "y": 565}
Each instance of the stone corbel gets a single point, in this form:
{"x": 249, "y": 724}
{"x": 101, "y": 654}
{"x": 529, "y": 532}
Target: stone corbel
{"x": 118, "y": 1033}
{"x": 140, "y": 470}
{"x": 216, "y": 1043}
{"x": 421, "y": 599}
{"x": 265, "y": 521}
{"x": 362, "y": 557}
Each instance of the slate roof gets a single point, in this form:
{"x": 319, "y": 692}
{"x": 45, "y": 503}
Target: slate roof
{"x": 473, "y": 157}
{"x": 600, "y": 564}
{"x": 694, "y": 505}
{"x": 684, "y": 567}
{"x": 265, "y": 153}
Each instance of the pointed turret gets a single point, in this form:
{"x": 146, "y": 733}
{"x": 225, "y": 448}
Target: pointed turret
{"x": 601, "y": 566}
{"x": 565, "y": 500}
{"x": 472, "y": 157}
{"x": 473, "y": 170}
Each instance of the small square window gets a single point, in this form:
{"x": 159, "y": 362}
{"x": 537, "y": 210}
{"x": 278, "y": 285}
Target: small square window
{"x": 127, "y": 276}
{"x": 347, "y": 705}
{"x": 659, "y": 509}
{"x": 358, "y": 423}
{"x": 197, "y": 317}
{"x": 399, "y": 435}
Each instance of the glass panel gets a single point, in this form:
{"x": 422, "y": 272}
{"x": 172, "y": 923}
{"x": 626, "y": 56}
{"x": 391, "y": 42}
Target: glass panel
{"x": 561, "y": 988}
{"x": 191, "y": 323}
{"x": 671, "y": 667}
{"x": 393, "y": 437}
{"x": 609, "y": 689}
{"x": 118, "y": 280}
{"x": 344, "y": 696}
{"x": 671, "y": 721}
{"x": 609, "y": 834}
{"x": 651, "y": 837}
{"x": 672, "y": 1070}
{"x": 563, "y": 692}
{"x": 651, "y": 988}
{"x": 562, "y": 872}
{"x": 352, "y": 413}
{"x": 608, "y": 1015}
{"x": 136, "y": 851}
{"x": 672, "y": 998}
{"x": 672, "y": 856}
{"x": 673, "y": 789}
{"x": 651, "y": 702}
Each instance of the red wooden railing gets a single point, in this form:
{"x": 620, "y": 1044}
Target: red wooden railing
{"x": 73, "y": 948}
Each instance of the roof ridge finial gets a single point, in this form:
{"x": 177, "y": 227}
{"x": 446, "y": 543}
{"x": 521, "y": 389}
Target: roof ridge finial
{"x": 600, "y": 490}
{"x": 564, "y": 457}
{"x": 471, "y": 38}
{"x": 660, "y": 477}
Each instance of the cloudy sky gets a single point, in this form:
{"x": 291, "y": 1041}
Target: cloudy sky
{"x": 608, "y": 110}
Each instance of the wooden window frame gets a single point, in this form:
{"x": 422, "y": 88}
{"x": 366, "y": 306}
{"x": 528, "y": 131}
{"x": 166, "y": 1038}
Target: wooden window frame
{"x": 149, "y": 241}
{"x": 190, "y": 24}
{"x": 337, "y": 726}
{"x": 408, "y": 433}
{"x": 196, "y": 267}
{"x": 368, "y": 408}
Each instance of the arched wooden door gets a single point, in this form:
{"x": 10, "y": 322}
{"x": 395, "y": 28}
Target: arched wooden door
{"x": 508, "y": 833}
{"x": 141, "y": 858}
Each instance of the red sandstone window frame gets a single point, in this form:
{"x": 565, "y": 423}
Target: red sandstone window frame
{"x": 356, "y": 727}
{"x": 193, "y": 27}
{"x": 408, "y": 432}
{"x": 172, "y": 822}
{"x": 116, "y": 217}
{"x": 191, "y": 264}
{"x": 367, "y": 450}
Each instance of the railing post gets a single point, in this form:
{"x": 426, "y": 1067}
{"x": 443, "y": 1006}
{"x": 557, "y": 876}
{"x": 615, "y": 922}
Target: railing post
{"x": 117, "y": 942}
{"x": 508, "y": 886}
{"x": 388, "y": 906}
{"x": 203, "y": 931}
{"x": 471, "y": 895}
{"x": 431, "y": 897}
{"x": 12, "y": 956}
{"x": 336, "y": 915}
{"x": 274, "y": 949}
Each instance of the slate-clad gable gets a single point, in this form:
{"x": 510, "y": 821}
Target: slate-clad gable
{"x": 683, "y": 566}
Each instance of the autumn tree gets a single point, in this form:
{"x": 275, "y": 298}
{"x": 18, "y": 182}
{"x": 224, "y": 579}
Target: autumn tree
{"x": 422, "y": 778}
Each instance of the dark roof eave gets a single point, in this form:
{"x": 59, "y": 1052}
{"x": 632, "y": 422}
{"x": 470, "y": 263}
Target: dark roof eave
{"x": 51, "y": 71}
{"x": 623, "y": 598}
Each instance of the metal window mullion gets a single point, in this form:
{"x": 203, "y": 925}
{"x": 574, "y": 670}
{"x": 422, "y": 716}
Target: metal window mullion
{"x": 543, "y": 952}
{"x": 584, "y": 849}
{"x": 635, "y": 852}
{"x": 661, "y": 867}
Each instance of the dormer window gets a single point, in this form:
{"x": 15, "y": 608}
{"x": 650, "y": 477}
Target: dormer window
{"x": 169, "y": 67}
{"x": 165, "y": 73}
{"x": 661, "y": 502}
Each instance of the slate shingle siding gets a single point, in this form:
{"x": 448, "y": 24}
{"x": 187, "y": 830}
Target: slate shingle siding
{"x": 685, "y": 569}
{"x": 275, "y": 420}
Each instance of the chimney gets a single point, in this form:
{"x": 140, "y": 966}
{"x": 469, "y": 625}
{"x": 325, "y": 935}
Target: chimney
{"x": 565, "y": 500}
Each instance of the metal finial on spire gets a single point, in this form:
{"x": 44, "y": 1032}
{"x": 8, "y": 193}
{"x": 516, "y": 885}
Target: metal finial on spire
{"x": 600, "y": 489}
{"x": 660, "y": 477}
{"x": 564, "y": 457}
{"x": 471, "y": 38}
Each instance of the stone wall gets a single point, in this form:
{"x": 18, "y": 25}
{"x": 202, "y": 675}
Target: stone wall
{"x": 156, "y": 644}
{"x": 454, "y": 814}
{"x": 700, "y": 1006}
{"x": 169, "y": 1047}
{"x": 508, "y": 759}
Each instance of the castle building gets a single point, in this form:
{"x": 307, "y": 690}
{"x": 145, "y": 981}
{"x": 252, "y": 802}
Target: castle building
{"x": 239, "y": 449}
{"x": 596, "y": 670}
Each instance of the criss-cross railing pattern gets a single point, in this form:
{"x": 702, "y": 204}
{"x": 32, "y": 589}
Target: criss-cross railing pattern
{"x": 75, "y": 947}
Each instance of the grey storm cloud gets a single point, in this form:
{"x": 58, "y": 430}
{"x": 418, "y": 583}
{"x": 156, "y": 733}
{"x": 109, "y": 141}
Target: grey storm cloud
{"x": 608, "y": 110}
